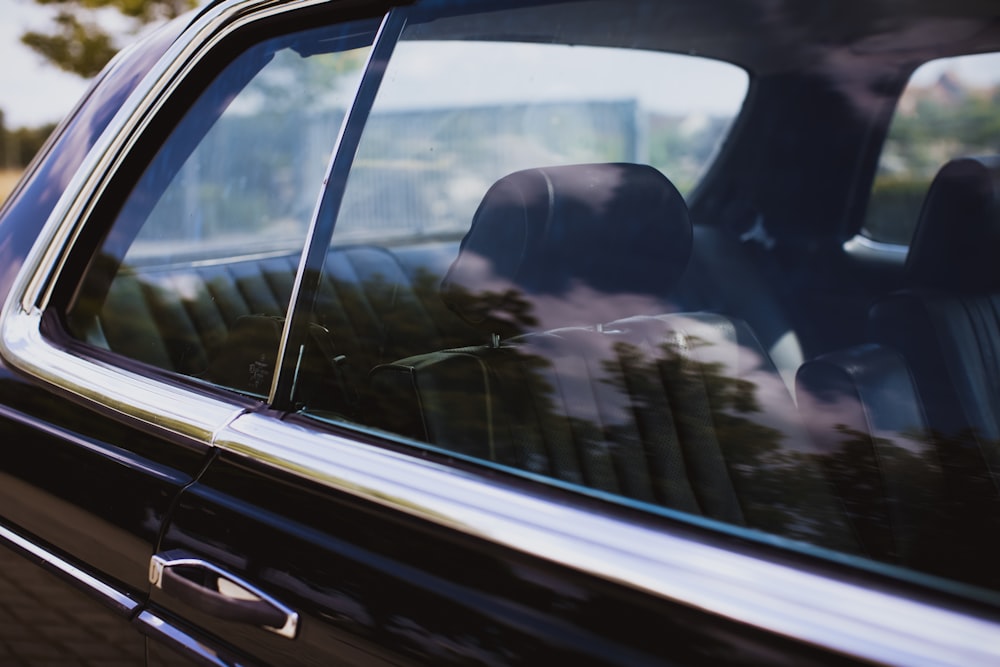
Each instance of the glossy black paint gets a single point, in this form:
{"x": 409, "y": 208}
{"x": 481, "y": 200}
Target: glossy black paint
{"x": 98, "y": 506}
{"x": 45, "y": 619}
{"x": 378, "y": 587}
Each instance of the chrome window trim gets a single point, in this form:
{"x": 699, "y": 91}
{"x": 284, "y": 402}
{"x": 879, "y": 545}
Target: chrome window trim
{"x": 22, "y": 345}
{"x": 177, "y": 410}
{"x": 329, "y": 199}
{"x": 843, "y": 617}
{"x": 118, "y": 599}
{"x": 44, "y": 263}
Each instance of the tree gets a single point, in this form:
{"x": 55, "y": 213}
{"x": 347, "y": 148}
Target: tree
{"x": 79, "y": 45}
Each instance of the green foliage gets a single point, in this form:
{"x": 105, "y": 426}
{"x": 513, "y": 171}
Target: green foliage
{"x": 920, "y": 142}
{"x": 79, "y": 45}
{"x": 17, "y": 147}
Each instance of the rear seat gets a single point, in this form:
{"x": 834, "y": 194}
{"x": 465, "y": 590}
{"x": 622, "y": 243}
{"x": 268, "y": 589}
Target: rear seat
{"x": 179, "y": 317}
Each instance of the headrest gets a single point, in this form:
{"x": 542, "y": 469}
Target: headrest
{"x": 570, "y": 245}
{"x": 957, "y": 239}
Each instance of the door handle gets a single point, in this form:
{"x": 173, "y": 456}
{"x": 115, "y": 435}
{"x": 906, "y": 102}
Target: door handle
{"x": 212, "y": 590}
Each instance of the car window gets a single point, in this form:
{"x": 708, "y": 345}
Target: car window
{"x": 195, "y": 273}
{"x": 500, "y": 281}
{"x": 521, "y": 277}
{"x": 949, "y": 108}
{"x": 453, "y": 116}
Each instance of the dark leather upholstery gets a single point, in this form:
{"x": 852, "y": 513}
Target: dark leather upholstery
{"x": 378, "y": 305}
{"x": 528, "y": 261}
{"x": 861, "y": 407}
{"x": 946, "y": 324}
{"x": 681, "y": 410}
{"x": 956, "y": 239}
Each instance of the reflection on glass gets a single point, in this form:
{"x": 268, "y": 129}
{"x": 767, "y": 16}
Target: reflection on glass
{"x": 670, "y": 411}
{"x": 197, "y": 269}
{"x": 452, "y": 117}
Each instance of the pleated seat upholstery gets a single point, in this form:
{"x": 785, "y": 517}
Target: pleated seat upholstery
{"x": 592, "y": 378}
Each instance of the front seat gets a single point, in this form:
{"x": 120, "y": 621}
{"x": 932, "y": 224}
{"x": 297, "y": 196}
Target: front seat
{"x": 587, "y": 380}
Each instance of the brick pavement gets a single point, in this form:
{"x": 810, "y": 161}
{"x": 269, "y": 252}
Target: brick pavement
{"x": 45, "y": 622}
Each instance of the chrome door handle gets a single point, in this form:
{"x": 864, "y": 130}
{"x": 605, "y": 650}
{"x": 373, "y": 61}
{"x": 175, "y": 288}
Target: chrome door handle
{"x": 214, "y": 591}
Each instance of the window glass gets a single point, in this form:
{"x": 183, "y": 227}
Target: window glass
{"x": 196, "y": 271}
{"x": 454, "y": 116}
{"x": 950, "y": 108}
{"x": 515, "y": 280}
{"x": 502, "y": 275}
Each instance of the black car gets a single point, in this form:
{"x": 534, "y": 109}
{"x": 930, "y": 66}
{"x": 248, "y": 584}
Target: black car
{"x": 527, "y": 332}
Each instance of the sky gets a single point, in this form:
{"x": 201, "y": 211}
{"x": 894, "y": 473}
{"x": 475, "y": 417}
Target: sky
{"x": 33, "y": 92}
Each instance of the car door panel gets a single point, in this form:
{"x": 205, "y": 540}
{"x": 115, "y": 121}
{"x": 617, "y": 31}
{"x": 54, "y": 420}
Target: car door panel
{"x": 89, "y": 512}
{"x": 397, "y": 590}
{"x": 69, "y": 486}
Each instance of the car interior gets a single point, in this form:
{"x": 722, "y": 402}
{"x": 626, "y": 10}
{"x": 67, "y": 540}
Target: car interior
{"x": 730, "y": 353}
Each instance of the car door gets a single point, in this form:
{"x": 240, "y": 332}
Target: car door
{"x": 390, "y": 560}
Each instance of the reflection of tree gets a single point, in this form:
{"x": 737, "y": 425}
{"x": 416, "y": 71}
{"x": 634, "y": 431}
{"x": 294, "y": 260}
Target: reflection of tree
{"x": 641, "y": 414}
{"x": 739, "y": 468}
{"x": 854, "y": 470}
{"x": 646, "y": 422}
{"x": 925, "y": 504}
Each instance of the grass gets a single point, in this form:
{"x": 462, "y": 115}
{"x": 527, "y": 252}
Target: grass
{"x": 8, "y": 179}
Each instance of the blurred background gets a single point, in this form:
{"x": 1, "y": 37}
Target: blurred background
{"x": 49, "y": 51}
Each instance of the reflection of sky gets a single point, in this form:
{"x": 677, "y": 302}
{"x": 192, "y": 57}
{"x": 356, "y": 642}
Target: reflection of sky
{"x": 980, "y": 70}
{"x": 430, "y": 74}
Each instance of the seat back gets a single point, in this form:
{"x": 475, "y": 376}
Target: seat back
{"x": 590, "y": 382}
{"x": 861, "y": 407}
{"x": 946, "y": 322}
{"x": 570, "y": 246}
